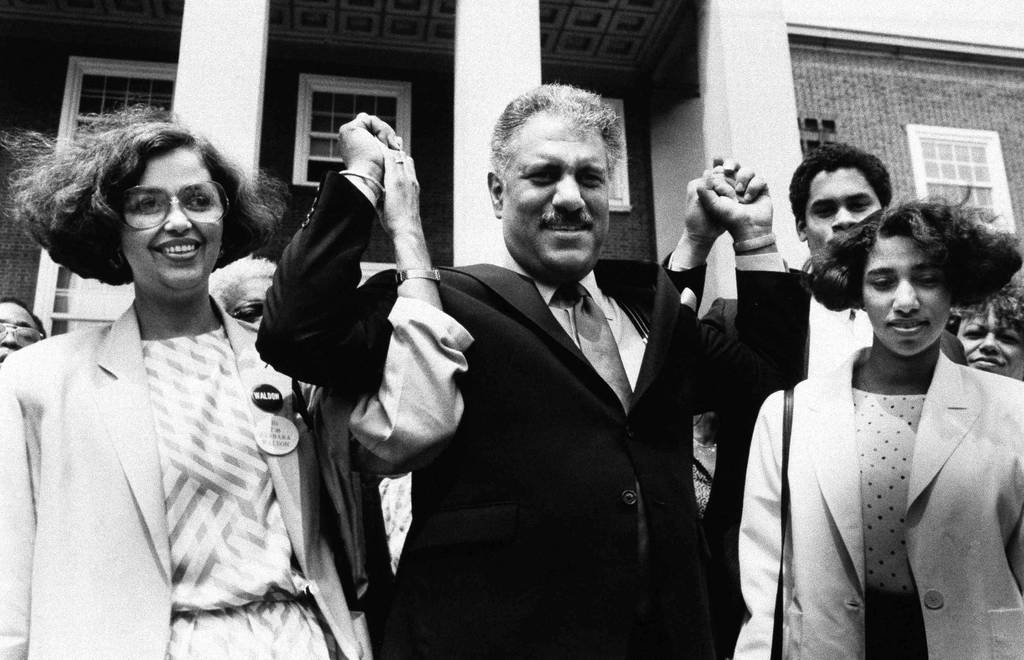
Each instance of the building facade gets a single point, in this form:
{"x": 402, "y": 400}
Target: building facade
{"x": 270, "y": 81}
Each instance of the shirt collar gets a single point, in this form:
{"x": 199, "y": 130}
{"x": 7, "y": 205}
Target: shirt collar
{"x": 547, "y": 291}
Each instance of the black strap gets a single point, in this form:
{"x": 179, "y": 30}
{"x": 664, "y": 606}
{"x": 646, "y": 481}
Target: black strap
{"x": 329, "y": 521}
{"x": 787, "y": 430}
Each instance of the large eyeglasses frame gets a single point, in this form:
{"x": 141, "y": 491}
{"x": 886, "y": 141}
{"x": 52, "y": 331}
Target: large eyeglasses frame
{"x": 139, "y": 220}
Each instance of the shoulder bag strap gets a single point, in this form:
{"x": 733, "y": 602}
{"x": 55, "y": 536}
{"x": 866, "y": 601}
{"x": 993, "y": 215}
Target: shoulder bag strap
{"x": 787, "y": 430}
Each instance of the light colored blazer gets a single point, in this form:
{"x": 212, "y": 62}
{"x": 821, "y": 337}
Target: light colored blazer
{"x": 84, "y": 551}
{"x": 964, "y": 520}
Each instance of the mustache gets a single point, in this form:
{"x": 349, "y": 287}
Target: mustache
{"x": 555, "y": 218}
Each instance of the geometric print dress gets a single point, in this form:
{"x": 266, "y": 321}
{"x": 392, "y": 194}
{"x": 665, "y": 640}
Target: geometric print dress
{"x": 235, "y": 590}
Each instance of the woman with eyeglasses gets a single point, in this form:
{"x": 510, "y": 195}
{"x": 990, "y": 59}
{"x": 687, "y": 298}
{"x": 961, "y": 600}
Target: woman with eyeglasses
{"x": 159, "y": 498}
{"x": 905, "y": 532}
{"x": 19, "y": 327}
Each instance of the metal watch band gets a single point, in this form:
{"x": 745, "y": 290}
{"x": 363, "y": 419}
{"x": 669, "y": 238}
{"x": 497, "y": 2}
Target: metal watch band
{"x": 418, "y": 273}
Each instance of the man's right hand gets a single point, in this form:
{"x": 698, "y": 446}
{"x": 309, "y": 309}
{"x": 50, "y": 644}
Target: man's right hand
{"x": 362, "y": 144}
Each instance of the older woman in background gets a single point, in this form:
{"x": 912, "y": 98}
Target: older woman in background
{"x": 18, "y": 325}
{"x": 992, "y": 332}
{"x": 159, "y": 499}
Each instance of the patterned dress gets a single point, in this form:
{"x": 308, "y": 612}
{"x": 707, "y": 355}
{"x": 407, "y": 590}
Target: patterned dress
{"x": 236, "y": 592}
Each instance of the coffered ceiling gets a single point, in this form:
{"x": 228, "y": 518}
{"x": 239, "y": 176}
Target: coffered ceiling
{"x": 626, "y": 35}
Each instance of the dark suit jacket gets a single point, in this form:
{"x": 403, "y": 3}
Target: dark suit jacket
{"x": 524, "y": 540}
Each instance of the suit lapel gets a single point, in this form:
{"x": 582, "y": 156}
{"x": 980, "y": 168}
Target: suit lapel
{"x": 834, "y": 455}
{"x": 657, "y": 299}
{"x": 297, "y": 507}
{"x": 124, "y": 394}
{"x": 519, "y": 292}
{"x": 950, "y": 408}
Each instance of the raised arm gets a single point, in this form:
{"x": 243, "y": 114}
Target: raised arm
{"x": 319, "y": 327}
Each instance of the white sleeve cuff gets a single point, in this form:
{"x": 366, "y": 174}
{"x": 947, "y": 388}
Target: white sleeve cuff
{"x": 771, "y": 262}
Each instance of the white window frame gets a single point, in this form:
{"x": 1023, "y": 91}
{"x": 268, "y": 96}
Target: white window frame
{"x": 46, "y": 278}
{"x": 309, "y": 83}
{"x": 989, "y": 140}
{"x": 618, "y": 187}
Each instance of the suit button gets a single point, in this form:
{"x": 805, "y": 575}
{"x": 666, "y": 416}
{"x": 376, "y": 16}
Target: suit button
{"x": 629, "y": 433}
{"x": 313, "y": 588}
{"x": 629, "y": 497}
{"x": 933, "y": 599}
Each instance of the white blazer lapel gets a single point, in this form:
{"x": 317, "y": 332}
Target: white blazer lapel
{"x": 949, "y": 410}
{"x": 833, "y": 451}
{"x": 286, "y": 470}
{"x": 124, "y": 400}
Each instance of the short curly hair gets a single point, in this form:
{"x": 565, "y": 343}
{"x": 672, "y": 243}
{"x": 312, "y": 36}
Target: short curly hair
{"x": 68, "y": 195}
{"x": 976, "y": 258}
{"x": 1007, "y": 304}
{"x": 830, "y": 157}
{"x": 581, "y": 109}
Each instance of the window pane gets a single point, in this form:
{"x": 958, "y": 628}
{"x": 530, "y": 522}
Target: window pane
{"x": 320, "y": 147}
{"x": 323, "y": 122}
{"x": 983, "y": 197}
{"x": 322, "y": 102}
{"x": 945, "y": 151}
{"x": 948, "y": 171}
{"x": 931, "y": 169}
{"x": 962, "y": 153}
{"x": 317, "y": 168}
{"x": 978, "y": 154}
{"x": 366, "y": 104}
{"x": 387, "y": 105}
{"x": 963, "y": 172}
{"x": 928, "y": 149}
{"x": 981, "y": 174}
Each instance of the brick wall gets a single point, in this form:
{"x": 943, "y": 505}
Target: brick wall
{"x": 873, "y": 96}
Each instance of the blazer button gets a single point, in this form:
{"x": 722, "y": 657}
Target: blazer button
{"x": 629, "y": 497}
{"x": 933, "y": 599}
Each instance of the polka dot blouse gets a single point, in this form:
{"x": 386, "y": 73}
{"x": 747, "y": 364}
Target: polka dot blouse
{"x": 885, "y": 429}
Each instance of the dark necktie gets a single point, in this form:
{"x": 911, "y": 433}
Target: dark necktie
{"x": 594, "y": 337}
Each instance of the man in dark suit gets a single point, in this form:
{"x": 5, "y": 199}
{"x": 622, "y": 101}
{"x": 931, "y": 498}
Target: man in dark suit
{"x": 558, "y": 520}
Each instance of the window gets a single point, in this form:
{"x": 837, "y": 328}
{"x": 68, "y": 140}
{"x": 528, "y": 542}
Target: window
{"x": 961, "y": 165}
{"x": 63, "y": 300}
{"x": 618, "y": 188}
{"x": 327, "y": 102}
{"x": 815, "y": 132}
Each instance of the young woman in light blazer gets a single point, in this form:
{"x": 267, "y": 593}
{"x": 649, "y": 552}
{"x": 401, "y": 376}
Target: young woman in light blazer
{"x": 906, "y": 471}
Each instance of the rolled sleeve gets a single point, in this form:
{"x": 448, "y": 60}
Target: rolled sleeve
{"x": 418, "y": 406}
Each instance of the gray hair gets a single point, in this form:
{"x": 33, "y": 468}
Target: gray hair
{"x": 581, "y": 109}
{"x": 226, "y": 284}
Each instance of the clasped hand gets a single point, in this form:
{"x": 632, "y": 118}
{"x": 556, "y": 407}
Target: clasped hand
{"x": 727, "y": 197}
{"x": 370, "y": 147}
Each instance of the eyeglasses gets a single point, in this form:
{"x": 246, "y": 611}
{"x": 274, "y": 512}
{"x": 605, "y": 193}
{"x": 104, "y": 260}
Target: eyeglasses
{"x": 146, "y": 207}
{"x": 250, "y": 311}
{"x": 22, "y": 334}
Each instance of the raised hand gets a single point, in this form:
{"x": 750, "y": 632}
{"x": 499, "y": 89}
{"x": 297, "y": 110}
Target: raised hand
{"x": 736, "y": 200}
{"x": 401, "y": 212}
{"x": 363, "y": 142}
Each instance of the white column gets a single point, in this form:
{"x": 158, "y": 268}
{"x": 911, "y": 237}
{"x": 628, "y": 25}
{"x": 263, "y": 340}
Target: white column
{"x": 221, "y": 64}
{"x": 497, "y": 57}
{"x": 746, "y": 110}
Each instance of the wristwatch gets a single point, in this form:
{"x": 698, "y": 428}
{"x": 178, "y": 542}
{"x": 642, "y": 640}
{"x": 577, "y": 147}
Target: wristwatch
{"x": 417, "y": 274}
